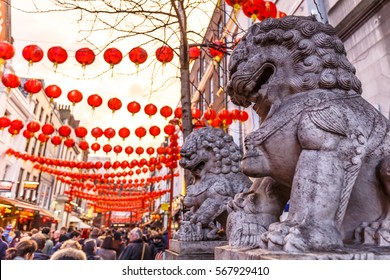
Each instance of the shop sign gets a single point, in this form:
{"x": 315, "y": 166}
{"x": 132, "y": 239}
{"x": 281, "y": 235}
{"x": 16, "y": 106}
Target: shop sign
{"x": 30, "y": 185}
{"x": 5, "y": 186}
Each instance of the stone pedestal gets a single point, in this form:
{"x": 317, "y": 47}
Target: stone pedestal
{"x": 349, "y": 252}
{"x": 192, "y": 250}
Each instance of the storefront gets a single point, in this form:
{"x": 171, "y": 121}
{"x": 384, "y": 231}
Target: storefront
{"x": 24, "y": 216}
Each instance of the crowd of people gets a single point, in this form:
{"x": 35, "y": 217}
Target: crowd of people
{"x": 87, "y": 244}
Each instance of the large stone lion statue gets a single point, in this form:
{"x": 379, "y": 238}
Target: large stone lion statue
{"x": 214, "y": 160}
{"x": 320, "y": 145}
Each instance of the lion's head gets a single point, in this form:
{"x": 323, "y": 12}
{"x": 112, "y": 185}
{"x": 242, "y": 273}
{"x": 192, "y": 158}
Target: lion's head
{"x": 210, "y": 150}
{"x": 280, "y": 57}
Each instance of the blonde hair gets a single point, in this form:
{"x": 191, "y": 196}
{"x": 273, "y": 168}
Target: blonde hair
{"x": 71, "y": 244}
{"x": 69, "y": 254}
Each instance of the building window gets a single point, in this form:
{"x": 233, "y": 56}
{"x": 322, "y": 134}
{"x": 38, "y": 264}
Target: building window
{"x": 35, "y": 108}
{"x": 41, "y": 115}
{"x": 6, "y": 170}
{"x": 18, "y": 191}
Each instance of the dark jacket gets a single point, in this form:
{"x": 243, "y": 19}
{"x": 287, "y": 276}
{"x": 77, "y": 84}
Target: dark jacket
{"x": 3, "y": 248}
{"x": 38, "y": 255}
{"x": 156, "y": 248}
{"x": 133, "y": 251}
{"x": 94, "y": 257}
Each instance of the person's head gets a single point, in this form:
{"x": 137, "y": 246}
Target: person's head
{"x": 70, "y": 229}
{"x": 75, "y": 235}
{"x": 26, "y": 249}
{"x": 34, "y": 231}
{"x": 107, "y": 243}
{"x": 69, "y": 254}
{"x": 10, "y": 254}
{"x": 157, "y": 238}
{"x": 89, "y": 246}
{"x": 117, "y": 235}
{"x": 40, "y": 239}
{"x": 63, "y": 230}
{"x": 71, "y": 244}
{"x": 135, "y": 234}
{"x": 45, "y": 230}
{"x": 84, "y": 233}
{"x": 95, "y": 233}
{"x": 56, "y": 235}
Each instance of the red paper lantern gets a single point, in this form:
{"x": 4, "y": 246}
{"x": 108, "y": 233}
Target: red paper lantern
{"x": 32, "y": 53}
{"x": 169, "y": 129}
{"x": 13, "y": 131}
{"x": 166, "y": 111}
{"x": 32, "y": 86}
{"x": 140, "y": 132}
{"x": 124, "y": 132}
{"x": 94, "y": 101}
{"x": 10, "y": 81}
{"x": 7, "y": 51}
{"x": 85, "y": 56}
{"x": 33, "y": 127}
{"x": 194, "y": 53}
{"x": 43, "y": 138}
{"x": 83, "y": 145}
{"x": 133, "y": 107}
{"x": 164, "y": 54}
{"x": 56, "y": 140}
{"x": 154, "y": 131}
{"x": 199, "y": 124}
{"x": 217, "y": 50}
{"x": 97, "y": 132}
{"x": 118, "y": 149}
{"x": 139, "y": 151}
{"x": 236, "y": 4}
{"x": 216, "y": 123}
{"x": 269, "y": 11}
{"x": 138, "y": 55}
{"x": 95, "y": 147}
{"x": 98, "y": 165}
{"x": 224, "y": 114}
{"x": 243, "y": 116}
{"x": 178, "y": 112}
{"x": 251, "y": 8}
{"x": 150, "y": 110}
{"x": 150, "y": 151}
{"x": 280, "y": 14}
{"x": 75, "y": 96}
{"x": 17, "y": 124}
{"x": 196, "y": 113}
{"x": 160, "y": 150}
{"x": 64, "y": 131}
{"x": 129, "y": 150}
{"x": 4, "y": 122}
{"x": 69, "y": 143}
{"x": 114, "y": 104}
{"x": 209, "y": 114}
{"x": 112, "y": 56}
{"x": 57, "y": 55}
{"x": 81, "y": 132}
{"x": 27, "y": 134}
{"x": 109, "y": 133}
{"x": 107, "y": 148}
{"x": 47, "y": 129}
{"x": 53, "y": 92}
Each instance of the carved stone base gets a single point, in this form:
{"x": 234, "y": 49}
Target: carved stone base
{"x": 192, "y": 250}
{"x": 349, "y": 252}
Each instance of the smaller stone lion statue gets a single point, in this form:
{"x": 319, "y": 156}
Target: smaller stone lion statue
{"x": 213, "y": 159}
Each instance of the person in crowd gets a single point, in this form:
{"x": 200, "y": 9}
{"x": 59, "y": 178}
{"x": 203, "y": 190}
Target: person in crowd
{"x": 69, "y": 254}
{"x": 63, "y": 234}
{"x": 40, "y": 239}
{"x": 69, "y": 232}
{"x": 71, "y": 244}
{"x": 118, "y": 244}
{"x": 16, "y": 239}
{"x": 157, "y": 245}
{"x": 90, "y": 248}
{"x": 75, "y": 235}
{"x": 137, "y": 249}
{"x": 48, "y": 242}
{"x": 56, "y": 237}
{"x": 3, "y": 245}
{"x": 24, "y": 250}
{"x": 33, "y": 231}
{"x": 106, "y": 250}
{"x": 6, "y": 235}
{"x": 84, "y": 235}
{"x": 95, "y": 235}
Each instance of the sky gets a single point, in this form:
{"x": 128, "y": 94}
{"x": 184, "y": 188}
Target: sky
{"x": 124, "y": 81}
